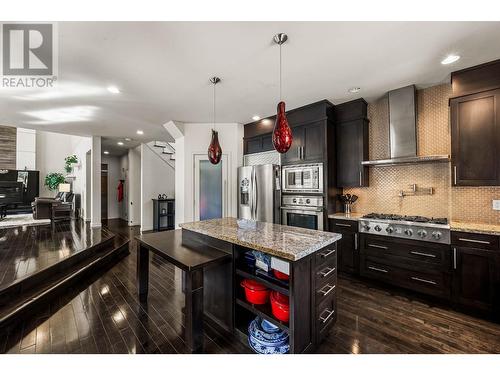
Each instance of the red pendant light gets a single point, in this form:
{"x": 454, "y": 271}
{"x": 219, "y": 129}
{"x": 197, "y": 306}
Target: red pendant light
{"x": 282, "y": 133}
{"x": 214, "y": 149}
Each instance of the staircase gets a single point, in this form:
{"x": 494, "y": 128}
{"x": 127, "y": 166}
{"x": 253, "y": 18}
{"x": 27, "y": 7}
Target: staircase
{"x": 165, "y": 150}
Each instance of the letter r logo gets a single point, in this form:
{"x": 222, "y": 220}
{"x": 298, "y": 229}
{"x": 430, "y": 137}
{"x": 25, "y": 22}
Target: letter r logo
{"x": 27, "y": 49}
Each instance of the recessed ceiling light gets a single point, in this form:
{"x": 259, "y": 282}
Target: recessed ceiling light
{"x": 106, "y": 152}
{"x": 113, "y": 89}
{"x": 128, "y": 139}
{"x": 140, "y": 132}
{"x": 450, "y": 59}
{"x": 354, "y": 90}
{"x": 119, "y": 143}
{"x": 256, "y": 118}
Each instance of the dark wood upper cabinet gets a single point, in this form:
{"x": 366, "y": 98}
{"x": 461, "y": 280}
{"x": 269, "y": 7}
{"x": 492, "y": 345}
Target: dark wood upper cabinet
{"x": 475, "y": 139}
{"x": 313, "y": 141}
{"x": 259, "y": 143}
{"x": 352, "y": 141}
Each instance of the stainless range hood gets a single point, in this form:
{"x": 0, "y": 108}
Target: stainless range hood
{"x": 403, "y": 131}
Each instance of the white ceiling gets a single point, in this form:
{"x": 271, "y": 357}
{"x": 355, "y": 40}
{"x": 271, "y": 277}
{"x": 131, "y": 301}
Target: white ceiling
{"x": 110, "y": 144}
{"x": 162, "y": 70}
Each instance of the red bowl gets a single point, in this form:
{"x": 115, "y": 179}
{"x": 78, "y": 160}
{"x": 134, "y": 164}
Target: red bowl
{"x": 255, "y": 292}
{"x": 280, "y": 306}
{"x": 280, "y": 275}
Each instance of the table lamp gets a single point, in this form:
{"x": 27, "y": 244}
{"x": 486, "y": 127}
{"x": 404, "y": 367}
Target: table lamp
{"x": 64, "y": 188}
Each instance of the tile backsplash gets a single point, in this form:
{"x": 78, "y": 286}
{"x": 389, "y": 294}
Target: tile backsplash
{"x": 471, "y": 204}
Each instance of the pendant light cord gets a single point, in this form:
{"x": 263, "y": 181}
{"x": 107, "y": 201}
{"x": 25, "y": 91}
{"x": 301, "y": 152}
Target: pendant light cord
{"x": 280, "y": 73}
{"x": 214, "y": 106}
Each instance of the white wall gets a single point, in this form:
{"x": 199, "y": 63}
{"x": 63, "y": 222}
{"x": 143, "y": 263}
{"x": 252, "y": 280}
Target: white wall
{"x": 95, "y": 214}
{"x": 157, "y": 177}
{"x": 114, "y": 175}
{"x": 195, "y": 141}
{"x": 134, "y": 179}
{"x": 51, "y": 149}
{"x": 26, "y": 149}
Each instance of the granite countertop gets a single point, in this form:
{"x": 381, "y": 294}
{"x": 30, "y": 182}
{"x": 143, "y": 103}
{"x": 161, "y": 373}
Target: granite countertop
{"x": 475, "y": 227}
{"x": 461, "y": 226}
{"x": 342, "y": 215}
{"x": 286, "y": 242}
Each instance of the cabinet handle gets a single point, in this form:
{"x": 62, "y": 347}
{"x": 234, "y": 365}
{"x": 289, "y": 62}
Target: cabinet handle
{"x": 423, "y": 254}
{"x": 325, "y": 319}
{"x": 378, "y": 246}
{"x": 360, "y": 178}
{"x": 455, "y": 174}
{"x": 475, "y": 241}
{"x": 377, "y": 269}
{"x": 327, "y": 271}
{"x": 355, "y": 241}
{"x": 327, "y": 253}
{"x": 298, "y": 152}
{"x": 327, "y": 289}
{"x": 342, "y": 225}
{"x": 423, "y": 280}
{"x": 454, "y": 258}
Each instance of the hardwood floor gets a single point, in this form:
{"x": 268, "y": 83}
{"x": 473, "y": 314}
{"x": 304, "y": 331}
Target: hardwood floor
{"x": 104, "y": 316}
{"x": 26, "y": 250}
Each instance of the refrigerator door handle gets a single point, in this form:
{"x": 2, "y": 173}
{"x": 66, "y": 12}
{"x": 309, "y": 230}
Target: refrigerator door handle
{"x": 253, "y": 206}
{"x": 256, "y": 202}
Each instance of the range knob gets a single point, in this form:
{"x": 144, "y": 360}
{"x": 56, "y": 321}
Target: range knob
{"x": 377, "y": 228}
{"x": 437, "y": 235}
{"x": 408, "y": 232}
{"x": 366, "y": 227}
{"x": 389, "y": 229}
{"x": 422, "y": 233}
{"x": 308, "y": 201}
{"x": 294, "y": 200}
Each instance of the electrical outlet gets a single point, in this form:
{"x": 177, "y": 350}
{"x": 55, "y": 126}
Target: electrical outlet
{"x": 496, "y": 204}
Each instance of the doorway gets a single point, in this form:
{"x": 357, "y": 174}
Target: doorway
{"x": 104, "y": 192}
{"x": 210, "y": 188}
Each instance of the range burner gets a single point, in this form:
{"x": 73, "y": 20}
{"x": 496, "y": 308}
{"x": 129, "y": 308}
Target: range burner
{"x": 410, "y": 227}
{"x": 416, "y": 219}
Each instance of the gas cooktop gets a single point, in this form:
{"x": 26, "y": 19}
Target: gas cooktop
{"x": 410, "y": 227}
{"x": 416, "y": 219}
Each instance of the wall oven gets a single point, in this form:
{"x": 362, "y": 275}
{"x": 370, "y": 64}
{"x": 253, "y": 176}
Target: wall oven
{"x": 302, "y": 211}
{"x": 304, "y": 178}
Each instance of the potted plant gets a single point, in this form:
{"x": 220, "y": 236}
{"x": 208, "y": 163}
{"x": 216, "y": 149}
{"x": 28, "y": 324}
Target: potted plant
{"x": 52, "y": 180}
{"x": 68, "y": 163}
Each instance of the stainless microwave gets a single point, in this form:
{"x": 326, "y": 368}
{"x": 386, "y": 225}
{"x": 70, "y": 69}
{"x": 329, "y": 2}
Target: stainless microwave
{"x": 304, "y": 178}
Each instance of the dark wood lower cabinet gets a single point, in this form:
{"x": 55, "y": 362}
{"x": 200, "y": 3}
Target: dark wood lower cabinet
{"x": 347, "y": 246}
{"x": 466, "y": 274}
{"x": 476, "y": 271}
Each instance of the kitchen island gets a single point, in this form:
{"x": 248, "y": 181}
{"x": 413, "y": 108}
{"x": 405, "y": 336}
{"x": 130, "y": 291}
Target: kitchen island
{"x": 308, "y": 256}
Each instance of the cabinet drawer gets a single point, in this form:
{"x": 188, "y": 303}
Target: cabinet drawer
{"x": 476, "y": 240}
{"x": 326, "y": 315}
{"x": 339, "y": 226}
{"x": 432, "y": 283}
{"x": 416, "y": 254}
{"x": 326, "y": 272}
{"x": 326, "y": 290}
{"x": 327, "y": 255}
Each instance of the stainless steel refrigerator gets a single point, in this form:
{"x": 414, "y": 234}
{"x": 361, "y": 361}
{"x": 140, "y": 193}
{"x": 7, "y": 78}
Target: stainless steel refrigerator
{"x": 259, "y": 193}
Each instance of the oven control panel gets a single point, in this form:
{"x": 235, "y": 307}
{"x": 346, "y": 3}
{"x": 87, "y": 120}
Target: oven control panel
{"x": 299, "y": 200}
